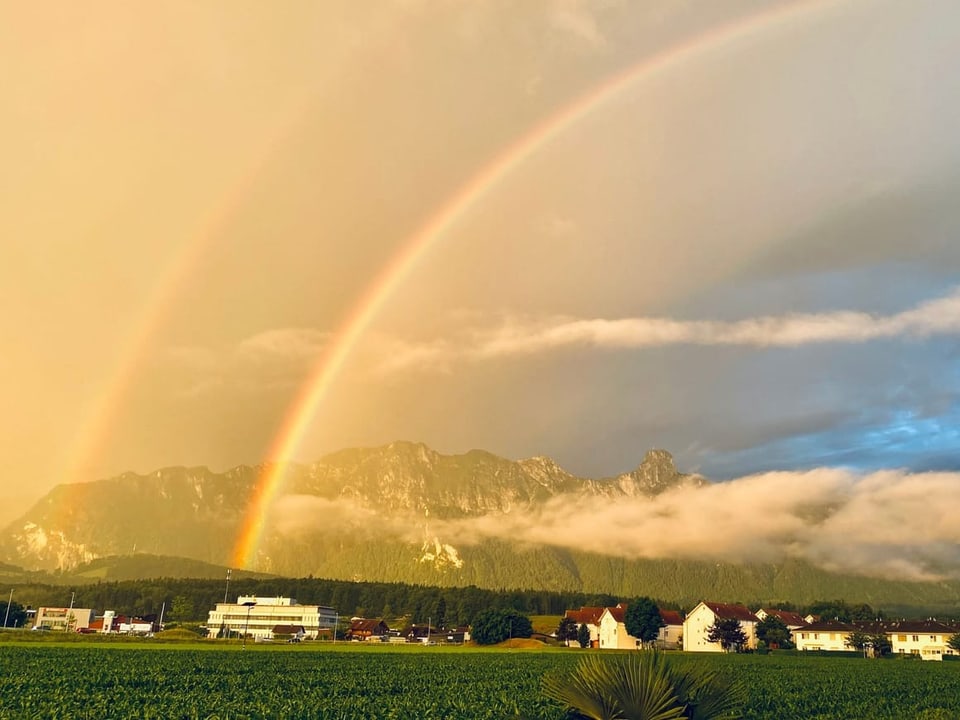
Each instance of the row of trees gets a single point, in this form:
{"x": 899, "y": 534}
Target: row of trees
{"x": 191, "y": 600}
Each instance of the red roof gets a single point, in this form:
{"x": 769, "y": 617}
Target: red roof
{"x": 827, "y": 626}
{"x": 788, "y": 618}
{"x": 671, "y": 617}
{"x": 619, "y": 612}
{"x": 362, "y": 625}
{"x": 585, "y": 615}
{"x": 731, "y": 612}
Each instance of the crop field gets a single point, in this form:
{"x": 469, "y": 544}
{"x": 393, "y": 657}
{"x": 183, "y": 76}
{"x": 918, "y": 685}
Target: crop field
{"x": 51, "y": 681}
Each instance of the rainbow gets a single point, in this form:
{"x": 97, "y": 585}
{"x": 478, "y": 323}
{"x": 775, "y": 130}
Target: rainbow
{"x": 89, "y": 446}
{"x": 300, "y": 414}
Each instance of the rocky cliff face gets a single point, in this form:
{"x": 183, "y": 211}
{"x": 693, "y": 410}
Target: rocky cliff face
{"x": 196, "y": 513}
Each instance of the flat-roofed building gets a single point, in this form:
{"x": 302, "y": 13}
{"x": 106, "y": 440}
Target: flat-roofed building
{"x": 258, "y": 616}
{"x": 63, "y": 618}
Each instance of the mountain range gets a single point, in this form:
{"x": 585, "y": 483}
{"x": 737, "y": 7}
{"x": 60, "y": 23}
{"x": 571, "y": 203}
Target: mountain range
{"x": 406, "y": 513}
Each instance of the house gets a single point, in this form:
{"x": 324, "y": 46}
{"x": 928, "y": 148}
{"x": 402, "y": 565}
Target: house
{"x": 61, "y": 618}
{"x": 698, "y": 622}
{"x": 613, "y": 633}
{"x": 589, "y": 616}
{"x": 364, "y": 629}
{"x": 458, "y": 635}
{"x": 671, "y": 634}
{"x": 421, "y": 633}
{"x": 290, "y": 633}
{"x": 823, "y": 635}
{"x": 792, "y": 620}
{"x": 926, "y": 638}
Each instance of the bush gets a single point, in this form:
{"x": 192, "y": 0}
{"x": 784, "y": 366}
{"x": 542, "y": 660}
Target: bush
{"x": 640, "y": 686}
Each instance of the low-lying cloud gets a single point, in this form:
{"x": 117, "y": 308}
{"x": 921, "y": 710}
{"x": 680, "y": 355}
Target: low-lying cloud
{"x": 890, "y": 524}
{"x": 525, "y": 336}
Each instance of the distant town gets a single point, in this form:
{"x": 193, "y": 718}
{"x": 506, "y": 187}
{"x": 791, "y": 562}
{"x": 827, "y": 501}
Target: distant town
{"x": 708, "y": 627}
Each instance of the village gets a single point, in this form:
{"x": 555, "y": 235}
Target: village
{"x": 708, "y": 627}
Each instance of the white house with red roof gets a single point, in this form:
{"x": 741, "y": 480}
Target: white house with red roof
{"x": 696, "y": 626}
{"x": 614, "y": 635}
{"x": 926, "y": 638}
{"x": 613, "y": 630}
{"x": 792, "y": 620}
{"x": 589, "y": 616}
{"x": 671, "y": 634}
{"x": 823, "y": 635}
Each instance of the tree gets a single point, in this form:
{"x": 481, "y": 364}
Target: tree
{"x": 954, "y": 642}
{"x": 635, "y": 687}
{"x": 857, "y": 640}
{"x": 881, "y": 643}
{"x": 566, "y": 630}
{"x": 643, "y": 620}
{"x": 182, "y": 608}
{"x": 494, "y": 626}
{"x": 16, "y": 617}
{"x": 773, "y": 631}
{"x": 440, "y": 614}
{"x": 728, "y": 632}
{"x": 583, "y": 636}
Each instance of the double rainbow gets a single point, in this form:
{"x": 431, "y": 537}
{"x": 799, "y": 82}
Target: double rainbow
{"x": 300, "y": 414}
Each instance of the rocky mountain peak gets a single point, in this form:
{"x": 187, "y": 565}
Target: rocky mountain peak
{"x": 654, "y": 475}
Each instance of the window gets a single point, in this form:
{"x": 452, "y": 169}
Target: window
{"x": 916, "y": 638}
{"x": 902, "y": 638}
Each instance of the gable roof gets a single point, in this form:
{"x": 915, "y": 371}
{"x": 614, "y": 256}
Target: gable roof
{"x": 724, "y": 611}
{"x": 671, "y": 617}
{"x": 789, "y": 618}
{"x": 826, "y": 626}
{"x": 921, "y": 627}
{"x": 364, "y": 625}
{"x": 586, "y": 615}
{"x": 618, "y": 613}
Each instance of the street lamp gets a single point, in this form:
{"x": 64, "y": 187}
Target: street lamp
{"x": 7, "y": 614}
{"x": 249, "y": 605}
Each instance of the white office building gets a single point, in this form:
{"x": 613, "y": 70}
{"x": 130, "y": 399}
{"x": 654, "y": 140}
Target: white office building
{"x": 258, "y": 616}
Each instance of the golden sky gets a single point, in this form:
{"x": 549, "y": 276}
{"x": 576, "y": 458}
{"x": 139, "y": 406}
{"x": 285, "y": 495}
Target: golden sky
{"x": 747, "y": 256}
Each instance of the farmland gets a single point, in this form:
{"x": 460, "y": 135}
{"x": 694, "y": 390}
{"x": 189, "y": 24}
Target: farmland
{"x": 86, "y": 680}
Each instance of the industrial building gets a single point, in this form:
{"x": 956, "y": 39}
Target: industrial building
{"x": 257, "y": 617}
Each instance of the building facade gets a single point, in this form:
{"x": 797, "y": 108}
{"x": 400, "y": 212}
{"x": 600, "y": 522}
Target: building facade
{"x": 258, "y": 616}
{"x": 697, "y": 624}
{"x": 63, "y": 619}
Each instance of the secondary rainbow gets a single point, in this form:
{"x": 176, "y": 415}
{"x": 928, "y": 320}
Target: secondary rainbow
{"x": 302, "y": 410}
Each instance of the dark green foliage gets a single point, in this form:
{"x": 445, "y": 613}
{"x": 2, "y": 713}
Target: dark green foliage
{"x": 773, "y": 631}
{"x": 130, "y": 679}
{"x": 840, "y": 610}
{"x": 583, "y": 636}
{"x": 857, "y": 640}
{"x": 16, "y": 617}
{"x": 494, "y": 626}
{"x": 954, "y": 642}
{"x": 643, "y": 620}
{"x": 728, "y": 632}
{"x": 643, "y": 687}
{"x": 566, "y": 630}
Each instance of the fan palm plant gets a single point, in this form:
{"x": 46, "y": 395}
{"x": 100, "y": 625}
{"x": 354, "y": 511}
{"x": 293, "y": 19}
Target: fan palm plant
{"x": 643, "y": 687}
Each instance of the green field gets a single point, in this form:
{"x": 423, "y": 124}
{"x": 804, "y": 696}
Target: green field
{"x": 91, "y": 680}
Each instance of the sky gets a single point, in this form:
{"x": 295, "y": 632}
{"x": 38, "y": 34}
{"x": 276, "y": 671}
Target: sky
{"x": 737, "y": 243}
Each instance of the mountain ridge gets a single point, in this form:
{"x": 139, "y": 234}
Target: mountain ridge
{"x": 405, "y": 513}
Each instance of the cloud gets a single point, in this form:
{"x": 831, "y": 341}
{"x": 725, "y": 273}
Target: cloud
{"x": 276, "y": 358}
{"x": 889, "y": 524}
{"x": 292, "y": 343}
{"x": 520, "y": 336}
{"x": 572, "y": 18}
